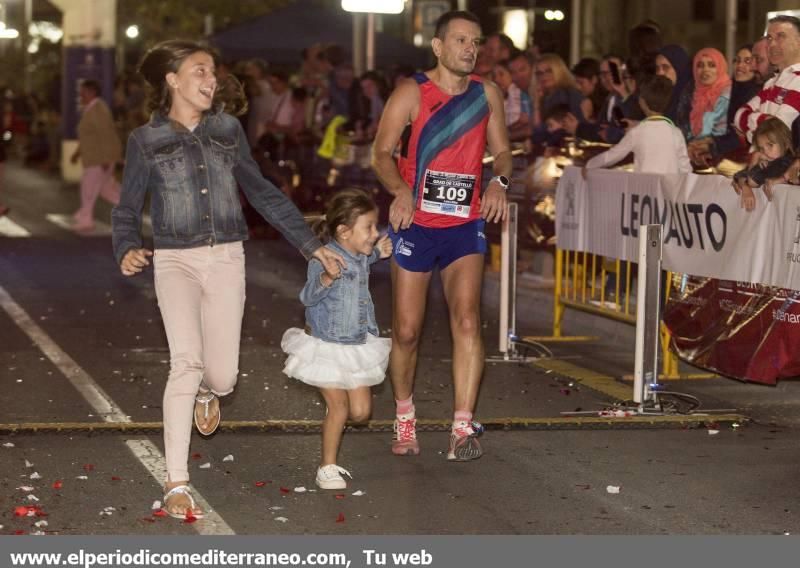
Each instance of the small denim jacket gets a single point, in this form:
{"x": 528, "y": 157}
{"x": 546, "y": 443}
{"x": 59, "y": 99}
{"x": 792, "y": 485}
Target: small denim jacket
{"x": 192, "y": 177}
{"x": 342, "y": 313}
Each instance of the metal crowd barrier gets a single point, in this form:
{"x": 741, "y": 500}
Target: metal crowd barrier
{"x": 580, "y": 284}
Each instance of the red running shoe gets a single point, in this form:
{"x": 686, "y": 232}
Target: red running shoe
{"x": 405, "y": 442}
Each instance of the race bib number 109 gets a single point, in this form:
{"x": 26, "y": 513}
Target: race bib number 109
{"x": 448, "y": 194}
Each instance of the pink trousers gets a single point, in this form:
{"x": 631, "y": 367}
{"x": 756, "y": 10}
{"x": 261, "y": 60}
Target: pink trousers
{"x": 96, "y": 181}
{"x": 201, "y": 294}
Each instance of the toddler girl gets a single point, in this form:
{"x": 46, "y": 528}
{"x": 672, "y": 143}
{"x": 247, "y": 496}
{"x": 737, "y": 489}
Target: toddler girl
{"x": 340, "y": 351}
{"x": 773, "y": 140}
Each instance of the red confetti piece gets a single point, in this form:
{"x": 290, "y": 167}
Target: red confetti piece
{"x": 564, "y": 391}
{"x": 339, "y": 495}
{"x": 18, "y": 532}
{"x": 115, "y": 478}
{"x": 190, "y": 518}
{"x": 196, "y": 456}
{"x": 285, "y": 490}
{"x": 260, "y": 483}
{"x": 88, "y": 467}
{"x": 58, "y": 484}
{"x": 29, "y": 511}
{"x": 159, "y": 513}
{"x": 340, "y": 518}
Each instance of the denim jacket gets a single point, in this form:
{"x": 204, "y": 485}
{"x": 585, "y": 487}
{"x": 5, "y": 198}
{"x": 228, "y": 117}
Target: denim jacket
{"x": 343, "y": 312}
{"x": 192, "y": 176}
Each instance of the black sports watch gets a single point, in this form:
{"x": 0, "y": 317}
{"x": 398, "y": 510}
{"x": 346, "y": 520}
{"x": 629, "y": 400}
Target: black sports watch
{"x": 502, "y": 180}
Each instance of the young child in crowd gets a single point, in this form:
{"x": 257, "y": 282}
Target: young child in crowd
{"x": 773, "y": 141}
{"x": 657, "y": 144}
{"x": 340, "y": 352}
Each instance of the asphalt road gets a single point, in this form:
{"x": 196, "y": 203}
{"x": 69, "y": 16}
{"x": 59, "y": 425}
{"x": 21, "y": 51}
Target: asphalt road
{"x": 73, "y": 327}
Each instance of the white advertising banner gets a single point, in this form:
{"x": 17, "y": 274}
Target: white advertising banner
{"x": 706, "y": 231}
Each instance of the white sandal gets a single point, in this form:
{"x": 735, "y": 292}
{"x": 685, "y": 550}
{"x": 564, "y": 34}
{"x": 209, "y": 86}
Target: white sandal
{"x": 185, "y": 490}
{"x": 205, "y": 398}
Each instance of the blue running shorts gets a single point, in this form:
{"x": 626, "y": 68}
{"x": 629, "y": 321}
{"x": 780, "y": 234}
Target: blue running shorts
{"x": 420, "y": 249}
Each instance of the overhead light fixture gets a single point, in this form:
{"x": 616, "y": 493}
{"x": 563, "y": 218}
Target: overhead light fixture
{"x": 374, "y": 6}
{"x": 515, "y": 26}
{"x": 551, "y": 15}
{"x": 45, "y": 30}
{"x": 7, "y": 33}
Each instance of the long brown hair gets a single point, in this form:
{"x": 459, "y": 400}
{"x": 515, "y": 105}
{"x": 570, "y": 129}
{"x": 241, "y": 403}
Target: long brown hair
{"x": 167, "y": 57}
{"x": 344, "y": 208}
{"x": 776, "y": 131}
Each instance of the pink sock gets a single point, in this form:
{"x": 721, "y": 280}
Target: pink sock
{"x": 462, "y": 418}
{"x": 405, "y": 407}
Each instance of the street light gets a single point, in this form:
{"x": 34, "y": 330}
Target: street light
{"x": 374, "y": 6}
{"x": 551, "y": 15}
{"x": 132, "y": 32}
{"x": 371, "y": 7}
{"x": 8, "y": 33}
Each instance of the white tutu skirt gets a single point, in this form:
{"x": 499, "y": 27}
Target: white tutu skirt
{"x": 331, "y": 365}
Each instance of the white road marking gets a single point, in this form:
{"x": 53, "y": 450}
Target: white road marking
{"x": 150, "y": 456}
{"x": 102, "y": 404}
{"x": 65, "y": 222}
{"x": 9, "y": 228}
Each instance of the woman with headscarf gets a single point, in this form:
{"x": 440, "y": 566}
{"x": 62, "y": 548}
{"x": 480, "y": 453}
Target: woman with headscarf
{"x": 709, "y": 151}
{"x": 674, "y": 63}
{"x": 712, "y": 93}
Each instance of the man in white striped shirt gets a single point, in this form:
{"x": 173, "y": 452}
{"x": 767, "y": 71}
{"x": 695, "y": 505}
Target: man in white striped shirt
{"x": 780, "y": 96}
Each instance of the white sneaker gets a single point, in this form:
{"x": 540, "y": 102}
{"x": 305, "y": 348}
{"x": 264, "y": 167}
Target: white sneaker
{"x": 330, "y": 477}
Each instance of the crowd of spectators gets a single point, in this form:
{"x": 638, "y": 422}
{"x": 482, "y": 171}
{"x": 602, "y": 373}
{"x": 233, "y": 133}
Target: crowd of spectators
{"x": 715, "y": 104}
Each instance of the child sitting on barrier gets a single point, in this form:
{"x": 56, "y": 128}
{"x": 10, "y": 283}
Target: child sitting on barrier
{"x": 657, "y": 144}
{"x": 775, "y": 154}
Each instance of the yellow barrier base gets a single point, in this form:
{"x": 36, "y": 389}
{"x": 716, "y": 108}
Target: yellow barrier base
{"x": 560, "y": 339}
{"x": 686, "y": 377}
{"x": 594, "y": 380}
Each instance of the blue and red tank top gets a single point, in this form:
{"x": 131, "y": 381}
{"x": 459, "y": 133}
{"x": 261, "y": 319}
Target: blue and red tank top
{"x": 442, "y": 152}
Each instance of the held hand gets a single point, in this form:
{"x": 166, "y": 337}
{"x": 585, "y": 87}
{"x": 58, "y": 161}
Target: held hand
{"x": 332, "y": 262}
{"x": 494, "y": 205}
{"x": 768, "y": 185}
{"x": 792, "y": 175}
{"x": 134, "y": 261}
{"x": 384, "y": 245}
{"x": 736, "y": 185}
{"x": 755, "y": 158}
{"x": 401, "y": 211}
{"x": 748, "y": 198}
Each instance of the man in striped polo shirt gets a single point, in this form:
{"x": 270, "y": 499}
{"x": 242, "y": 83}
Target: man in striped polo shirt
{"x": 780, "y": 96}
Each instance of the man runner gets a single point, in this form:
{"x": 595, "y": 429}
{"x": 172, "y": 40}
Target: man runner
{"x": 444, "y": 118}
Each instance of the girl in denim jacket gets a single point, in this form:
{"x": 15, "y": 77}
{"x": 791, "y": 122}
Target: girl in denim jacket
{"x": 340, "y": 352}
{"x": 191, "y": 158}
